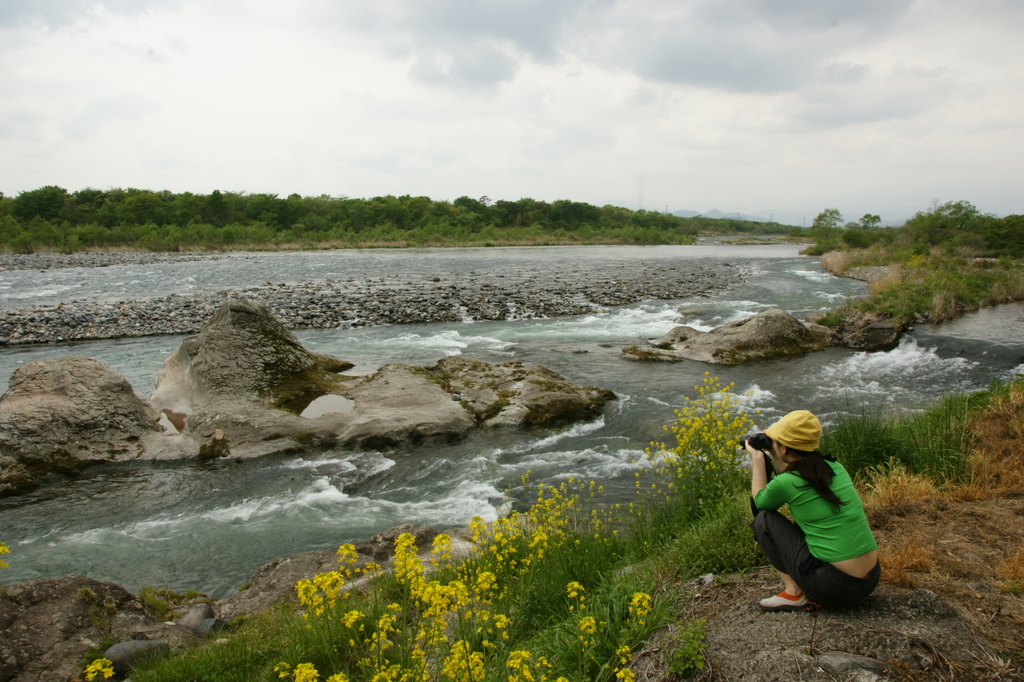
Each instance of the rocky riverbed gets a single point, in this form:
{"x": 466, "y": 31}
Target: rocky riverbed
{"x": 507, "y": 292}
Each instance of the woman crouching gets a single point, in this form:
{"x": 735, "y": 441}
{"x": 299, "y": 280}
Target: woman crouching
{"x": 828, "y": 556}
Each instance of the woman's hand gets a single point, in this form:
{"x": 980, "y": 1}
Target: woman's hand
{"x": 758, "y": 472}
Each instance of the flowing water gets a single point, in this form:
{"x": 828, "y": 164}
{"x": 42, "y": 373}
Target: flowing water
{"x": 208, "y": 527}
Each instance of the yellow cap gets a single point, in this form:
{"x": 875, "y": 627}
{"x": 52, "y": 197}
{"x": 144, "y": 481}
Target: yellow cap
{"x": 799, "y": 430}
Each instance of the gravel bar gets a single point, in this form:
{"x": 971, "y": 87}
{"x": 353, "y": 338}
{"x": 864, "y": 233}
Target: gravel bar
{"x": 512, "y": 292}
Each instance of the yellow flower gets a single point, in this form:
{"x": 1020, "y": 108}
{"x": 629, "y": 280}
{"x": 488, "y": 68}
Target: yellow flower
{"x": 624, "y": 674}
{"x": 485, "y": 582}
{"x": 588, "y": 625}
{"x": 101, "y": 666}
{"x": 640, "y": 605}
{"x": 305, "y": 672}
{"x": 463, "y": 664}
{"x": 350, "y": 619}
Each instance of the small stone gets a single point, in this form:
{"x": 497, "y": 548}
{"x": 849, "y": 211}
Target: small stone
{"x": 210, "y": 625}
{"x": 195, "y": 615}
{"x": 126, "y": 655}
{"x": 838, "y": 662}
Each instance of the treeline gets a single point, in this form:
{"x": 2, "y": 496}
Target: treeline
{"x": 956, "y": 228}
{"x": 51, "y": 218}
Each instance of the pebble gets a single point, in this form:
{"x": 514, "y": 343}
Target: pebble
{"x": 521, "y": 292}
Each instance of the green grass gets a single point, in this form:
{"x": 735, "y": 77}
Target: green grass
{"x": 934, "y": 442}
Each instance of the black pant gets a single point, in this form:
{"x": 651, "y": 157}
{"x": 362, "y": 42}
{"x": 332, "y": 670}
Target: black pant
{"x": 782, "y": 541}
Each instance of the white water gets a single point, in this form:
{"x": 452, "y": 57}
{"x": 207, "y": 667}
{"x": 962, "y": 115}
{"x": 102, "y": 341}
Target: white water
{"x": 209, "y": 527}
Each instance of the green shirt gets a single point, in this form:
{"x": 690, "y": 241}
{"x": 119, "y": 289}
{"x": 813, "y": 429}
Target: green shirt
{"x": 832, "y": 534}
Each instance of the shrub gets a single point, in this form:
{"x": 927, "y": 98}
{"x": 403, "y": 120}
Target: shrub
{"x": 686, "y": 654}
{"x": 686, "y": 478}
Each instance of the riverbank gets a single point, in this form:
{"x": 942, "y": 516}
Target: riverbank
{"x": 508, "y": 292}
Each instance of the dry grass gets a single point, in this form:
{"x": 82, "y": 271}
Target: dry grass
{"x": 997, "y": 435}
{"x": 891, "y": 278}
{"x": 1012, "y": 573}
{"x": 893, "y": 490}
{"x": 944, "y": 306}
{"x": 904, "y": 556}
{"x": 837, "y": 262}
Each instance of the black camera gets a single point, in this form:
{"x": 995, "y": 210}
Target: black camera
{"x": 762, "y": 442}
{"x": 758, "y": 441}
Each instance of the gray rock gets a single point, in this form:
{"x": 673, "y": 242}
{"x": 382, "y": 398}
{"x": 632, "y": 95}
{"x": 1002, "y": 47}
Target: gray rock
{"x": 257, "y": 412}
{"x": 195, "y": 615}
{"x": 125, "y": 656}
{"x": 60, "y": 415}
{"x": 49, "y": 625}
{"x": 862, "y": 331}
{"x": 210, "y": 626}
{"x": 837, "y": 662}
{"x": 768, "y": 334}
{"x": 243, "y": 354}
{"x": 239, "y": 389}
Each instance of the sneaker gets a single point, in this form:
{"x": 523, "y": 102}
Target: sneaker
{"x": 784, "y": 601}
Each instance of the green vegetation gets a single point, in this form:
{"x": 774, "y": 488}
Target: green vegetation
{"x": 954, "y": 228}
{"x": 685, "y": 658}
{"x": 164, "y": 603}
{"x": 939, "y": 264}
{"x": 50, "y": 218}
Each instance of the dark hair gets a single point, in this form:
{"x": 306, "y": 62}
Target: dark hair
{"x": 812, "y": 468}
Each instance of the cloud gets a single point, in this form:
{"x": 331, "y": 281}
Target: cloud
{"x": 61, "y": 13}
{"x": 468, "y": 44}
{"x": 739, "y": 45}
{"x": 472, "y": 66}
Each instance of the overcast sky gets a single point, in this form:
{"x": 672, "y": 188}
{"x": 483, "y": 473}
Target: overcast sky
{"x": 780, "y": 106}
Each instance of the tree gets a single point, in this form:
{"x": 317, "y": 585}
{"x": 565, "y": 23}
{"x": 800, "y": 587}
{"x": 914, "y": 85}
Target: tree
{"x": 828, "y": 220}
{"x": 825, "y": 228}
{"x": 951, "y": 223}
{"x": 143, "y": 207}
{"x": 870, "y": 221}
{"x": 46, "y": 203}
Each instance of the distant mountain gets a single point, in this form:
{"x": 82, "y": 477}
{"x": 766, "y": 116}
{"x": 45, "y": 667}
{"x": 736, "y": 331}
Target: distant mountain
{"x": 766, "y": 216}
{"x": 718, "y": 215}
{"x": 715, "y": 214}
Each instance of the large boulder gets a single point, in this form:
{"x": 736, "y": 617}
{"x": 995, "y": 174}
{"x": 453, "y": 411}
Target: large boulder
{"x": 868, "y": 331}
{"x": 243, "y": 354}
{"x": 50, "y": 624}
{"x": 510, "y": 394}
{"x": 61, "y": 415}
{"x": 768, "y": 334}
{"x": 242, "y": 386}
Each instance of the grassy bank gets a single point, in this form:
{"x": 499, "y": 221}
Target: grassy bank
{"x": 935, "y": 286}
{"x": 571, "y": 588}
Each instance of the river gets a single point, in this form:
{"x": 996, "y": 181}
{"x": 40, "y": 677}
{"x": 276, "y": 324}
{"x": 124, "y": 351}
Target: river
{"x": 208, "y": 527}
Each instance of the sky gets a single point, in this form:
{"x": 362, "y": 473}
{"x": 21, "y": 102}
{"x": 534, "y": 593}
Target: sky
{"x": 775, "y": 107}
